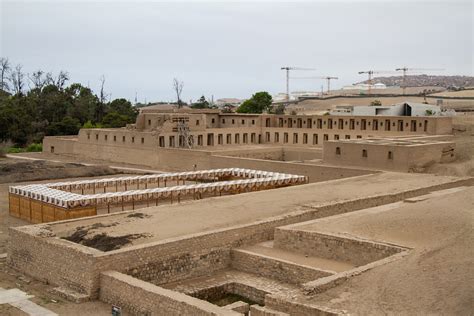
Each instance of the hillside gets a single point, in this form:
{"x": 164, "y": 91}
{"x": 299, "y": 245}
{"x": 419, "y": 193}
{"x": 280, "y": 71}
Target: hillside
{"x": 426, "y": 80}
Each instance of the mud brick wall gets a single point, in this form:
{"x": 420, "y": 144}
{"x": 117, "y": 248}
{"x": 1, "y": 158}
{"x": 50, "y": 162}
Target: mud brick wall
{"x": 183, "y": 266}
{"x": 142, "y": 298}
{"x": 294, "y": 308}
{"x": 51, "y": 260}
{"x": 276, "y": 269}
{"x": 357, "y": 252}
{"x": 78, "y": 268}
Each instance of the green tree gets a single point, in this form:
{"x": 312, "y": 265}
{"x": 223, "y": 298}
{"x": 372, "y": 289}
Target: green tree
{"x": 67, "y": 126}
{"x": 115, "y": 120}
{"x": 376, "y": 103}
{"x": 259, "y": 102}
{"x": 202, "y": 103}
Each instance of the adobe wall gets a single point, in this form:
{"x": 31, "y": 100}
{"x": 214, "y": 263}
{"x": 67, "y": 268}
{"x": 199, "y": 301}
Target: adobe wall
{"x": 182, "y": 266}
{"x": 142, "y": 298}
{"x": 293, "y": 308}
{"x": 51, "y": 260}
{"x": 281, "y": 270}
{"x": 355, "y": 251}
{"x": 59, "y": 144}
{"x": 63, "y": 263}
{"x": 402, "y": 158}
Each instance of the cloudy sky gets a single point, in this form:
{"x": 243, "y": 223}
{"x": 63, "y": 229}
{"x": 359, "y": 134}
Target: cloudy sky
{"x": 232, "y": 49}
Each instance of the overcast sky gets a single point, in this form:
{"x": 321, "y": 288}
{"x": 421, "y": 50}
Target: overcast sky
{"x": 232, "y": 49}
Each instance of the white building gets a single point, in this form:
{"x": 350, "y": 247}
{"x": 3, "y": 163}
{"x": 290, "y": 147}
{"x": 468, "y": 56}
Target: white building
{"x": 399, "y": 109}
{"x": 365, "y": 86}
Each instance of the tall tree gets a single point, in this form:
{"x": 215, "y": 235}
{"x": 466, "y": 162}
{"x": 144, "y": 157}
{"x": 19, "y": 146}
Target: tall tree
{"x": 178, "y": 89}
{"x": 37, "y": 79}
{"x": 4, "y": 69}
{"x": 17, "y": 79}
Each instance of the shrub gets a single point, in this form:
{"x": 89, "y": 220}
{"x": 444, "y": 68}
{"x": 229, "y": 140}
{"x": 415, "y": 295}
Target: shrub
{"x": 34, "y": 147}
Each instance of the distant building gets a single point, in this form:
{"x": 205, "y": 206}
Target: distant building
{"x": 228, "y": 101}
{"x": 399, "y": 109}
{"x": 365, "y": 86}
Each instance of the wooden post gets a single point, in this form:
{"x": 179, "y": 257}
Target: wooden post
{"x": 171, "y": 197}
{"x": 133, "y": 203}
{"x": 122, "y": 203}
{"x": 108, "y": 208}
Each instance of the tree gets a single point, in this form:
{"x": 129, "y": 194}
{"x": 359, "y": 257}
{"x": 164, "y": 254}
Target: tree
{"x": 115, "y": 120}
{"x": 4, "y": 69}
{"x": 17, "y": 79}
{"x": 202, "y": 103}
{"x": 123, "y": 107}
{"x": 67, "y": 126}
{"x": 178, "y": 89}
{"x": 37, "y": 79}
{"x": 259, "y": 102}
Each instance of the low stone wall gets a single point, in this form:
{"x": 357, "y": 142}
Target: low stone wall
{"x": 182, "y": 266}
{"x": 256, "y": 310}
{"x": 294, "y": 308}
{"x": 215, "y": 292}
{"x": 51, "y": 260}
{"x": 63, "y": 263}
{"x": 142, "y": 298}
{"x": 356, "y": 251}
{"x": 281, "y": 270}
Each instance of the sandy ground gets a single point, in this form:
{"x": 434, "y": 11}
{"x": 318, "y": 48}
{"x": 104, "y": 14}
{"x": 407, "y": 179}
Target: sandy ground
{"x": 462, "y": 93}
{"x": 164, "y": 222}
{"x": 436, "y": 278}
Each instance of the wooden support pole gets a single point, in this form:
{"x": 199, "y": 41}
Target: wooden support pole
{"x": 122, "y": 203}
{"x": 108, "y": 208}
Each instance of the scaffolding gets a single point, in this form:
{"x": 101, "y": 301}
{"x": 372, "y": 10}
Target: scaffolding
{"x": 185, "y": 140}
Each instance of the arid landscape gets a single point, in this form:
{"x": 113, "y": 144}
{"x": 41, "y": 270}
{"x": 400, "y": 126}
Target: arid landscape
{"x": 265, "y": 158}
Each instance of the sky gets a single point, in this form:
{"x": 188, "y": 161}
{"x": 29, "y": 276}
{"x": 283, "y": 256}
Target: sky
{"x": 232, "y": 49}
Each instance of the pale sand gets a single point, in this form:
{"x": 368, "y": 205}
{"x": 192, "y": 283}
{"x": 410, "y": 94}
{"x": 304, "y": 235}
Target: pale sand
{"x": 437, "y": 277}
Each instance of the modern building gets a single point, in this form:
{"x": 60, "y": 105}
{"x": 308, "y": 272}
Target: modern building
{"x": 399, "y": 109}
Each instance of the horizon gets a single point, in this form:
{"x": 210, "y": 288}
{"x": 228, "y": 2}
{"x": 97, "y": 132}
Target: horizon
{"x": 232, "y": 50}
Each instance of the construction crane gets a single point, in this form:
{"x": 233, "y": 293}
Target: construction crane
{"x": 406, "y": 69}
{"x": 370, "y": 73}
{"x": 328, "y": 78}
{"x": 288, "y": 68}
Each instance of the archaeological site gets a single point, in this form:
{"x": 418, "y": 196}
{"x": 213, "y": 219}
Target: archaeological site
{"x": 236, "y": 158}
{"x": 245, "y": 214}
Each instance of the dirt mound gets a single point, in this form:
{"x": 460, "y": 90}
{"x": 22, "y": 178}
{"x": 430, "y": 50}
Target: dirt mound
{"x": 12, "y": 170}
